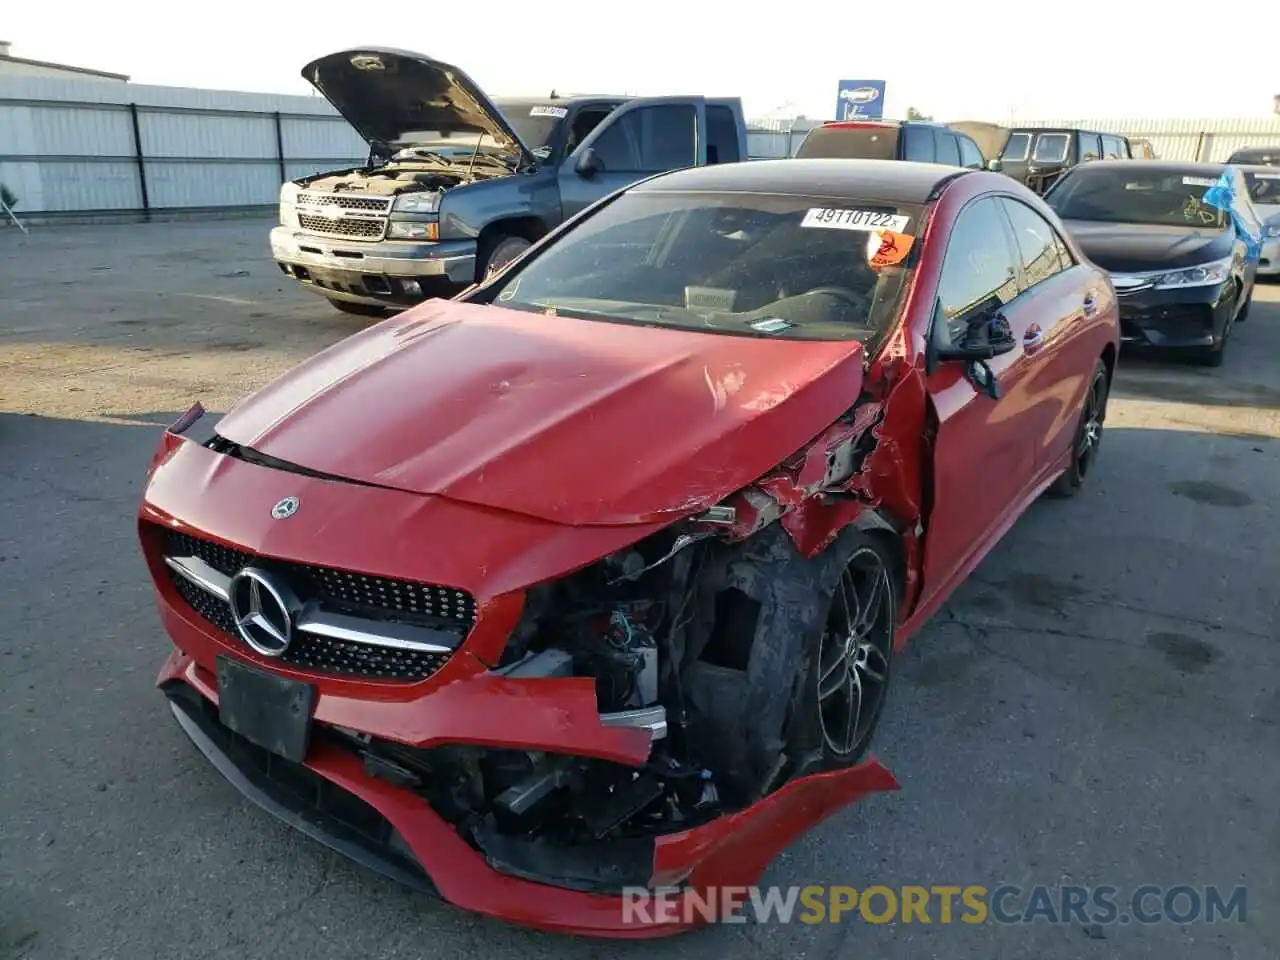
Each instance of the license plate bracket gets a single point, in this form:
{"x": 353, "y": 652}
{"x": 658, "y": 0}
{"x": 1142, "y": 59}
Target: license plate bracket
{"x": 271, "y": 711}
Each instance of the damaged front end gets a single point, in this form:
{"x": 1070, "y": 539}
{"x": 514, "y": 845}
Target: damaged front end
{"x": 694, "y": 636}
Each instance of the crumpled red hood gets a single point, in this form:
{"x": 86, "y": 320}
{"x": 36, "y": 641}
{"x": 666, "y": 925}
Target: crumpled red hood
{"x": 573, "y": 421}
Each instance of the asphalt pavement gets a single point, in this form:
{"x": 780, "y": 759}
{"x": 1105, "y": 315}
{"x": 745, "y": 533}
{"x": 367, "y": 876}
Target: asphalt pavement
{"x": 1098, "y": 705}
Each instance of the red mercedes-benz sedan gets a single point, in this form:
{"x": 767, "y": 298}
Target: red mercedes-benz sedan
{"x": 591, "y": 579}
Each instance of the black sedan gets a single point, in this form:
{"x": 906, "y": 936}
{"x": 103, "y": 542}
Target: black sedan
{"x": 1183, "y": 268}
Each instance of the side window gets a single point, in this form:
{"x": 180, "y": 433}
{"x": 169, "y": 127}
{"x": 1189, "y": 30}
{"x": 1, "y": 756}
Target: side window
{"x": 722, "y": 135}
{"x": 948, "y": 149}
{"x": 1090, "y": 146}
{"x": 979, "y": 274}
{"x": 1037, "y": 242}
{"x": 1113, "y": 148}
{"x": 617, "y": 147}
{"x": 970, "y": 155}
{"x": 917, "y": 143}
{"x": 668, "y": 137}
{"x": 650, "y": 140}
{"x": 1017, "y": 148}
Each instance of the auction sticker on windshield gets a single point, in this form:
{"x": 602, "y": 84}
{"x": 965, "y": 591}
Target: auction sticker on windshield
{"x": 836, "y": 219}
{"x": 558, "y": 112}
{"x": 1198, "y": 181}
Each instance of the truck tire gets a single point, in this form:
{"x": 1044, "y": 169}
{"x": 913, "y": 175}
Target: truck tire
{"x": 498, "y": 252}
{"x": 358, "y": 309}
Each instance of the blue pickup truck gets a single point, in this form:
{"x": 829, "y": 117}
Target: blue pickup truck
{"x": 457, "y": 185}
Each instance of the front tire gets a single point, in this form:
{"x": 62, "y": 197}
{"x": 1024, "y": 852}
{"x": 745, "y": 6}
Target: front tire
{"x": 357, "y": 309}
{"x": 843, "y": 682}
{"x": 1088, "y": 435}
{"x": 500, "y": 251}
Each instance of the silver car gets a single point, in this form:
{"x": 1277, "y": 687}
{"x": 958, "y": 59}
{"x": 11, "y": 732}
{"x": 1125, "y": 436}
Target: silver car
{"x": 1264, "y": 191}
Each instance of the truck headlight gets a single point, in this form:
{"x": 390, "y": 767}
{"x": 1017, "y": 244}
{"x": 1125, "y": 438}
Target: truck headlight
{"x": 418, "y": 203}
{"x": 288, "y": 198}
{"x": 412, "y": 230}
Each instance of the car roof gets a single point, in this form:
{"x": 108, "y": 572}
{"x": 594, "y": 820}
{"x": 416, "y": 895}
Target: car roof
{"x": 1099, "y": 133}
{"x": 1158, "y": 166}
{"x": 1252, "y": 154}
{"x": 892, "y": 181}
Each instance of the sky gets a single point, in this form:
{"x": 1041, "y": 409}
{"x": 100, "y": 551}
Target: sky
{"x": 952, "y": 61}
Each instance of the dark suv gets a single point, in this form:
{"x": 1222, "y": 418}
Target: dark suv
{"x": 892, "y": 140}
{"x": 1039, "y": 156}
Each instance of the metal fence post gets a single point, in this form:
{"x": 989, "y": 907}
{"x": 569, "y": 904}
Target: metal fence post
{"x": 284, "y": 175}
{"x": 141, "y": 160}
{"x": 1199, "y": 147}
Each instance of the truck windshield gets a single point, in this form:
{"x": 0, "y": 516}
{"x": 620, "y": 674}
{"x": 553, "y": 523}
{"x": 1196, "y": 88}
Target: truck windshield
{"x": 862, "y": 142}
{"x": 1133, "y": 193}
{"x": 752, "y": 265}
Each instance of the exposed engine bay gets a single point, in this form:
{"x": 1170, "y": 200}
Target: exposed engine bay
{"x": 400, "y": 178}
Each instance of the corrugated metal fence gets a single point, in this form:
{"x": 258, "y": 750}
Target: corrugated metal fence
{"x": 81, "y": 148}
{"x": 75, "y": 148}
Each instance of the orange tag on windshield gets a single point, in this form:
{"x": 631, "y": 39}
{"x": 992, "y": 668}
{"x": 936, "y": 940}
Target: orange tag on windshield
{"x": 893, "y": 248}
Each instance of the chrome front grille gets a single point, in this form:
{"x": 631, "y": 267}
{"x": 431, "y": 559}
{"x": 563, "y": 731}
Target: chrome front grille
{"x": 348, "y": 624}
{"x": 343, "y": 215}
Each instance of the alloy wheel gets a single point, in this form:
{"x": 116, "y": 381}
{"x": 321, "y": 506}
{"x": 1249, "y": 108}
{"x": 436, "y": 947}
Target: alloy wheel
{"x": 853, "y": 660}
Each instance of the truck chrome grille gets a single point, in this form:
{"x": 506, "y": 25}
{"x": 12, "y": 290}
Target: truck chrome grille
{"x": 351, "y": 624}
{"x": 342, "y": 215}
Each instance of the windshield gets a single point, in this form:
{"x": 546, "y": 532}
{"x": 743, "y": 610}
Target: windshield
{"x": 753, "y": 265}
{"x": 856, "y": 143}
{"x": 1051, "y": 147}
{"x": 1264, "y": 187}
{"x": 534, "y": 123}
{"x": 1018, "y": 147}
{"x": 1134, "y": 193}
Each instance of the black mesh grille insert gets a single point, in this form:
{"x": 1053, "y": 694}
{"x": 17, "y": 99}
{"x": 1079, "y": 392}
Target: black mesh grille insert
{"x": 357, "y": 594}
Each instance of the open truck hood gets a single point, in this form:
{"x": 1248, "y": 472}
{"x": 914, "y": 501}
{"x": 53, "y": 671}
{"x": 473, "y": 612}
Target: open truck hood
{"x": 568, "y": 420}
{"x": 389, "y": 95}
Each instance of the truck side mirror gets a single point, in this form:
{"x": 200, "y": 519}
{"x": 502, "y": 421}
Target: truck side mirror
{"x": 588, "y": 164}
{"x": 994, "y": 165}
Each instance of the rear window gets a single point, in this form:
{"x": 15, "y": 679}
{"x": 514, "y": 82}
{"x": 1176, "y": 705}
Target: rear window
{"x": 786, "y": 267}
{"x": 1017, "y": 148}
{"x": 852, "y": 143}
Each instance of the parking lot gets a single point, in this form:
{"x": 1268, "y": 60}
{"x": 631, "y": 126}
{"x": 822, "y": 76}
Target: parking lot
{"x": 1099, "y": 704}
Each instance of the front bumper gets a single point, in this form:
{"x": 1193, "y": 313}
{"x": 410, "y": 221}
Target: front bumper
{"x": 396, "y": 832}
{"x": 1193, "y": 318}
{"x": 372, "y": 273}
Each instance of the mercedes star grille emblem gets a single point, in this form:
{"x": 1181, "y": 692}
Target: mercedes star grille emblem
{"x": 285, "y": 509}
{"x": 263, "y": 609}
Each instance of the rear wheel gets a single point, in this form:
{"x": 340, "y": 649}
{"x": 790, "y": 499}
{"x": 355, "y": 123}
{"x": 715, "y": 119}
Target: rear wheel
{"x": 843, "y": 682}
{"x": 1088, "y": 436}
{"x": 358, "y": 309}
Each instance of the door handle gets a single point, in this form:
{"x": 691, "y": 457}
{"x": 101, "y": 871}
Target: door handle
{"x": 1033, "y": 339}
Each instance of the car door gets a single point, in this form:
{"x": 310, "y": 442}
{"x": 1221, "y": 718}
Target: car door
{"x": 1055, "y": 300}
{"x": 637, "y": 140}
{"x": 984, "y": 452}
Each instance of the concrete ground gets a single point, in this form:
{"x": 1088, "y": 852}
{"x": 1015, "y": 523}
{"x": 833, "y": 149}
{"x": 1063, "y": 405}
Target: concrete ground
{"x": 1099, "y": 704}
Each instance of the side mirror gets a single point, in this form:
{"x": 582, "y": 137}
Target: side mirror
{"x": 588, "y": 164}
{"x": 995, "y": 165}
{"x": 987, "y": 336}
